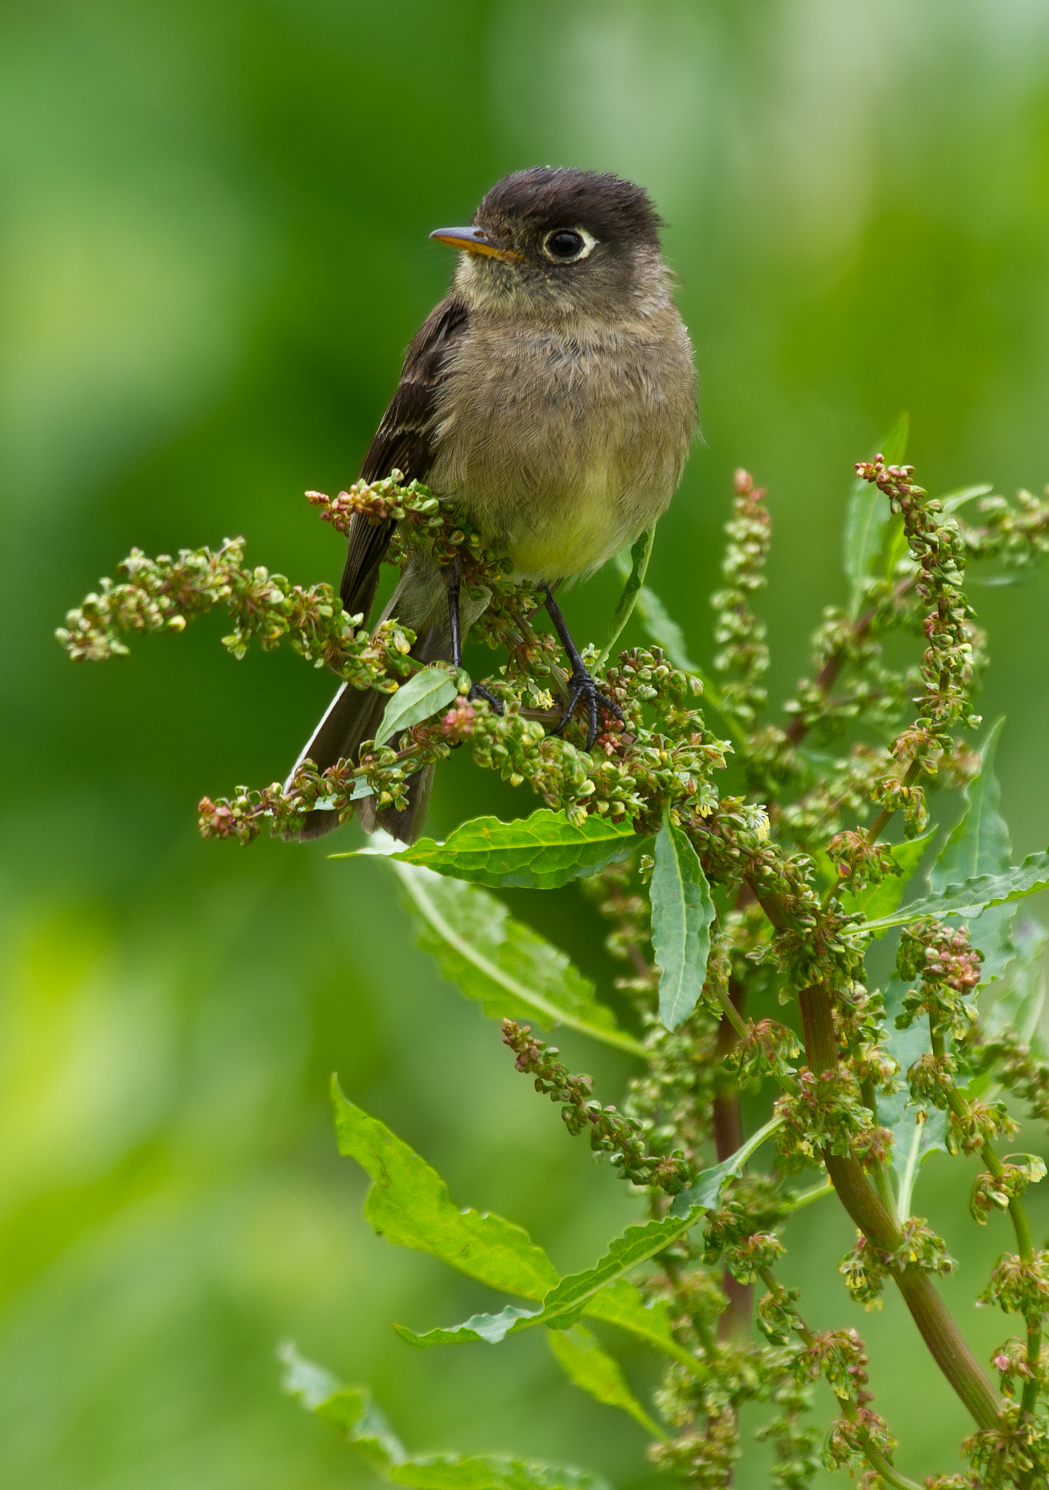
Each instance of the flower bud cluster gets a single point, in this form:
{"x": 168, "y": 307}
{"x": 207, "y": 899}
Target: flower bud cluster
{"x": 1017, "y": 1068}
{"x": 767, "y": 1049}
{"x": 1020, "y": 1285}
{"x": 866, "y": 1268}
{"x": 948, "y": 966}
{"x": 1013, "y": 1453}
{"x": 827, "y": 1113}
{"x": 1018, "y": 534}
{"x": 995, "y": 1191}
{"x": 740, "y": 634}
{"x": 749, "y": 1207}
{"x": 610, "y": 1133}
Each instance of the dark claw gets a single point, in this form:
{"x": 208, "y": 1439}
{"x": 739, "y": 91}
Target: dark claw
{"x": 478, "y": 690}
{"x": 582, "y": 686}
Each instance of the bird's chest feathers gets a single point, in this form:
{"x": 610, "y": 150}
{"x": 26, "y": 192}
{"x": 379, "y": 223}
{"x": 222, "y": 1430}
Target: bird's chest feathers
{"x": 562, "y": 446}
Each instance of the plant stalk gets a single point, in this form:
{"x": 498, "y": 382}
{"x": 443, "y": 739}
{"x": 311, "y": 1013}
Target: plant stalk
{"x": 939, "y": 1331}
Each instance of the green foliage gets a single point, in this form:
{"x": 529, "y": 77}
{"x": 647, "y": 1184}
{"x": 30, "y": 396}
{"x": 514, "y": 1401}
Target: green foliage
{"x": 408, "y": 1204}
{"x": 511, "y": 969}
{"x": 682, "y": 911}
{"x": 422, "y": 696}
{"x": 540, "y": 852}
{"x": 708, "y": 1185}
{"x": 881, "y": 899}
{"x": 580, "y": 1355}
{"x": 980, "y": 844}
{"x": 574, "y": 1294}
{"x": 351, "y": 1412}
{"x": 975, "y": 895}
{"x": 868, "y": 1104}
{"x": 640, "y": 554}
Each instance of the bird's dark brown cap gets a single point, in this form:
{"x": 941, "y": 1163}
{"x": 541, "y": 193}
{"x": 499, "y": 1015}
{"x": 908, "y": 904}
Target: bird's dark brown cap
{"x": 551, "y": 197}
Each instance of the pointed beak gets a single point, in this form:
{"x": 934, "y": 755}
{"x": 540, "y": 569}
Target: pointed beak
{"x": 473, "y": 241}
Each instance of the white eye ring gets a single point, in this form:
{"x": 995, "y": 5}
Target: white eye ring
{"x": 589, "y": 243}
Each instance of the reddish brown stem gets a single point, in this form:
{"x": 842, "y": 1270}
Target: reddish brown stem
{"x": 881, "y": 1228}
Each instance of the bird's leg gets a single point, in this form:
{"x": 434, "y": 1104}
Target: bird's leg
{"x": 580, "y": 685}
{"x": 477, "y": 690}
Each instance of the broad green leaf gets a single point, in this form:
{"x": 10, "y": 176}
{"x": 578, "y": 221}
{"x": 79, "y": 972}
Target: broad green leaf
{"x": 639, "y": 557}
{"x": 350, "y": 1411}
{"x": 707, "y": 1186}
{"x": 980, "y": 845}
{"x": 586, "y": 1363}
{"x": 882, "y": 900}
{"x": 621, "y": 1304}
{"x": 409, "y": 1205}
{"x": 682, "y": 911}
{"x": 424, "y": 694}
{"x": 974, "y": 895}
{"x": 511, "y": 969}
{"x": 913, "y": 1139}
{"x": 564, "y": 1304}
{"x": 868, "y": 518}
{"x": 541, "y": 852}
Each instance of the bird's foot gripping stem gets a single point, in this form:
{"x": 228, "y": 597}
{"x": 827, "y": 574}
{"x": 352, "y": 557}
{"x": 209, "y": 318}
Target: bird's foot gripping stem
{"x": 581, "y": 685}
{"x": 478, "y": 690}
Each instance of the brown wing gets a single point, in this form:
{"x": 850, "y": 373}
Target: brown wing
{"x": 403, "y": 442}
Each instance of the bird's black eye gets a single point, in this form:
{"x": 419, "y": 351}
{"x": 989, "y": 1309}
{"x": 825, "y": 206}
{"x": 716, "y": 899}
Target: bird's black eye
{"x": 566, "y": 244}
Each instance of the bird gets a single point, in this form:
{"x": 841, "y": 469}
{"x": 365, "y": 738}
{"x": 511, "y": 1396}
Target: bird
{"x": 552, "y": 396}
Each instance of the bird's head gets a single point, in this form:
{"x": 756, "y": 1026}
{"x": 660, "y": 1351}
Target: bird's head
{"x": 556, "y": 243}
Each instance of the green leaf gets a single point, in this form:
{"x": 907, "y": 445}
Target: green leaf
{"x": 980, "y": 845}
{"x": 707, "y": 1186}
{"x": 423, "y": 695}
{"x": 541, "y": 852}
{"x": 564, "y": 1304}
{"x": 491, "y": 1472}
{"x": 882, "y": 900}
{"x": 491, "y": 1328}
{"x": 973, "y": 896}
{"x": 868, "y": 521}
{"x": 511, "y": 969}
{"x": 350, "y": 1411}
{"x": 586, "y": 1363}
{"x": 621, "y": 1304}
{"x": 913, "y": 1139}
{"x": 682, "y": 911}
{"x": 639, "y": 555}
{"x": 409, "y": 1205}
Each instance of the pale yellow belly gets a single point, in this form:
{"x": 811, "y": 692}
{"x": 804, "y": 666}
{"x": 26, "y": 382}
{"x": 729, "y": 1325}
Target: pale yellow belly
{"x": 582, "y": 533}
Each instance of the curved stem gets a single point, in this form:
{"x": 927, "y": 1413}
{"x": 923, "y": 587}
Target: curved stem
{"x": 939, "y": 1331}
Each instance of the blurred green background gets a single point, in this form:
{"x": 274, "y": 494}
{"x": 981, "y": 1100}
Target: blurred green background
{"x": 212, "y": 251}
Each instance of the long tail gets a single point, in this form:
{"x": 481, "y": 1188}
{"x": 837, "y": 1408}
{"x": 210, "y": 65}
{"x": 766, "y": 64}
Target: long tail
{"x": 421, "y": 602}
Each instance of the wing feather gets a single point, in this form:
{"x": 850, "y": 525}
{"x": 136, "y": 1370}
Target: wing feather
{"x": 403, "y": 442}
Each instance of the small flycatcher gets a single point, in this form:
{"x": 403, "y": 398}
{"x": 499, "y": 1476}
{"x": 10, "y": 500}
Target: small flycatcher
{"x": 552, "y": 396}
